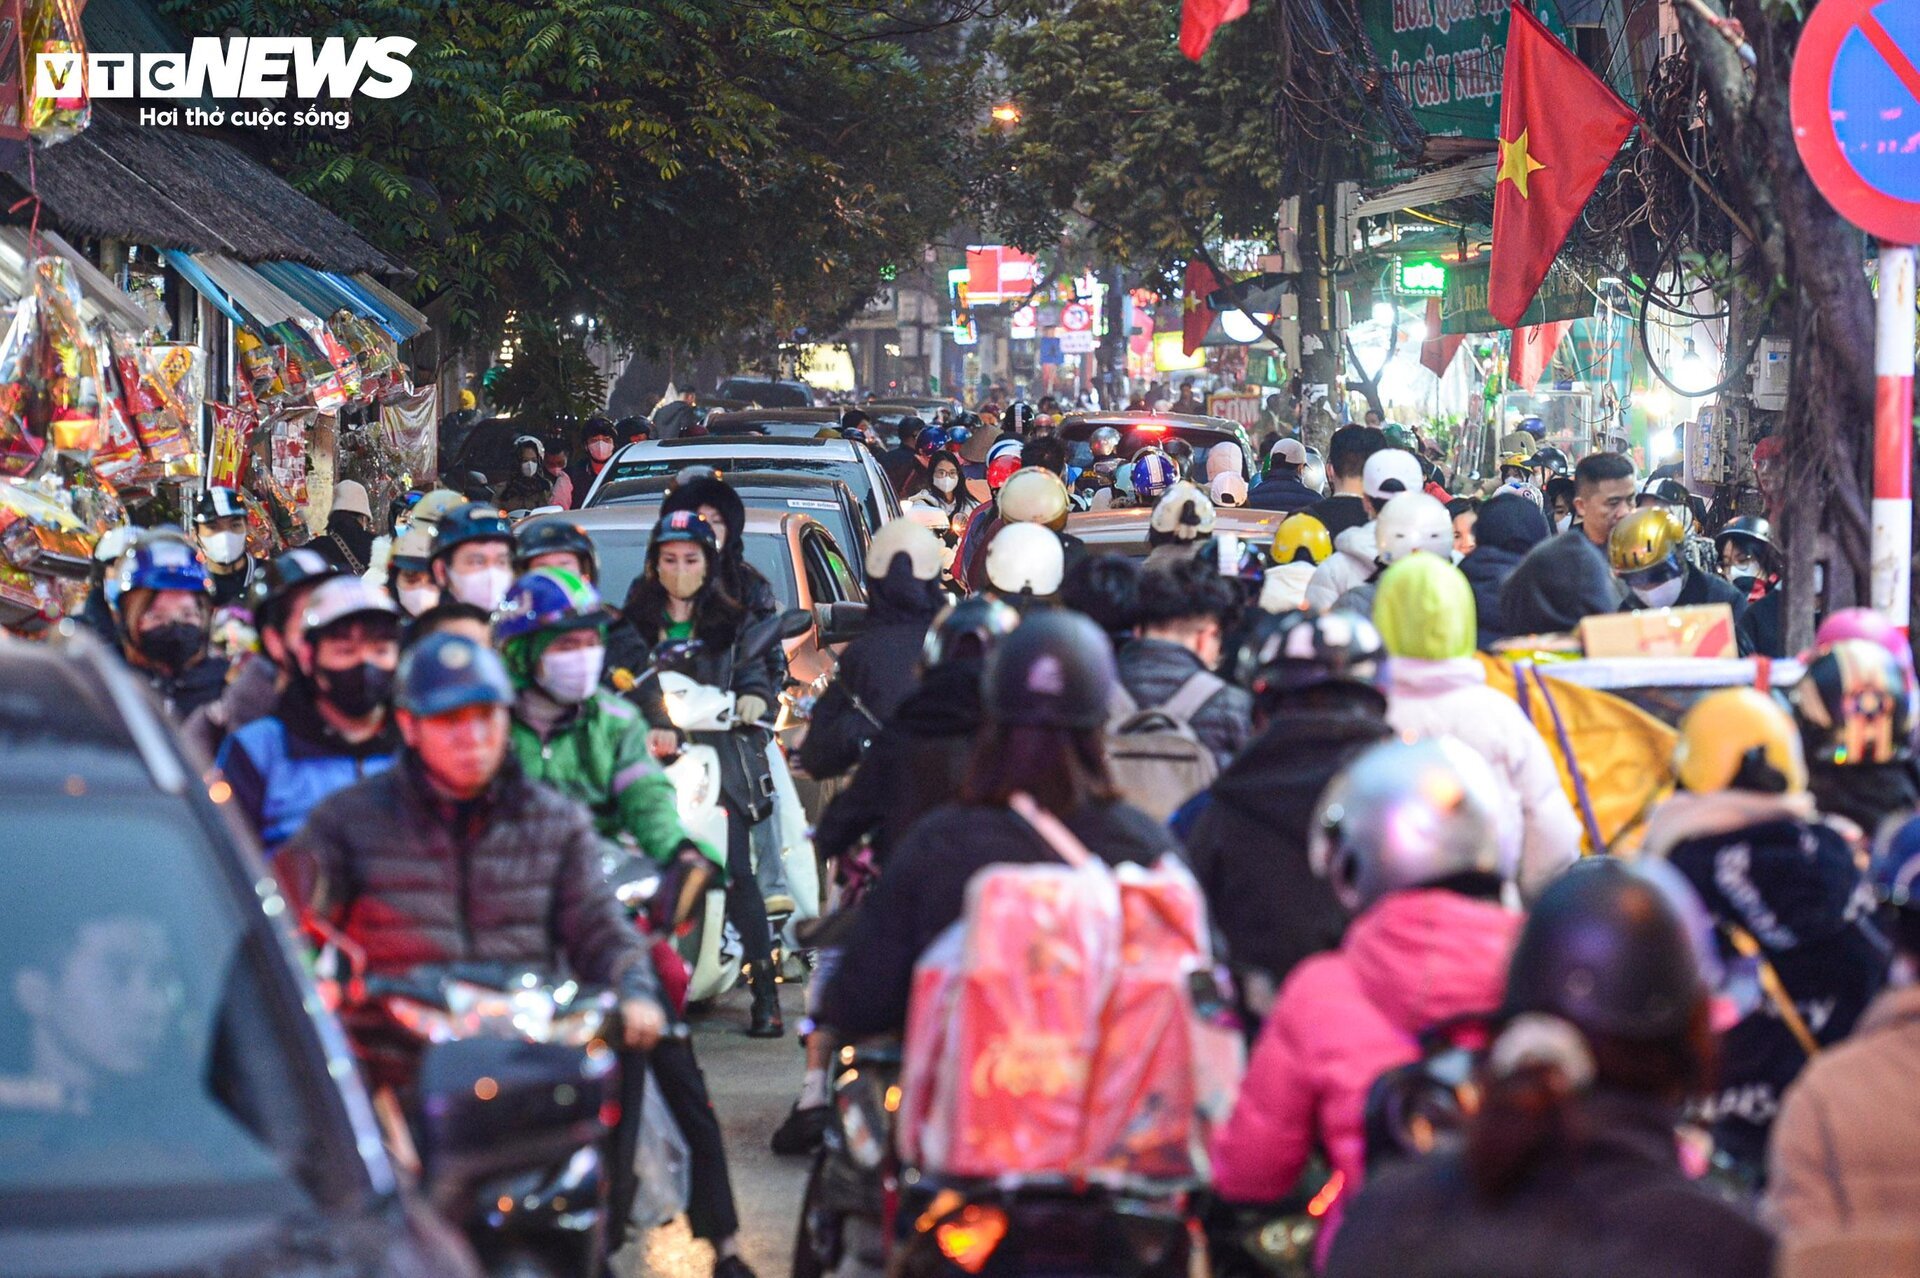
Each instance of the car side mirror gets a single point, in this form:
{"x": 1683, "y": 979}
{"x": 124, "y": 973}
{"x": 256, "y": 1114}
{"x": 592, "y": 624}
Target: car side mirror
{"x": 839, "y": 622}
{"x": 489, "y": 1107}
{"x": 795, "y": 622}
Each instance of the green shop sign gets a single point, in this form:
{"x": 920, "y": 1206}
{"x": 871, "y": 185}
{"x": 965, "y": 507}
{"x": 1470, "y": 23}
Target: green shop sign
{"x": 1566, "y": 294}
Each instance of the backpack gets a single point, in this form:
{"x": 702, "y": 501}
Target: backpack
{"x": 1157, "y": 760}
{"x": 1411, "y": 1109}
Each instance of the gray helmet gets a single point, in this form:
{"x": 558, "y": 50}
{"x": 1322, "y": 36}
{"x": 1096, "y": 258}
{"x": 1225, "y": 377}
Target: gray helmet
{"x": 1055, "y": 671}
{"x": 971, "y": 628}
{"x": 1106, "y": 437}
{"x": 1403, "y": 814}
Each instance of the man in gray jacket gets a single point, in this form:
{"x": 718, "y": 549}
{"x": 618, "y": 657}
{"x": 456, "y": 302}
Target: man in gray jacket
{"x": 1184, "y": 606}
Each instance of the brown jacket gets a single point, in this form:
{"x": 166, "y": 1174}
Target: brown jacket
{"x": 1846, "y": 1148}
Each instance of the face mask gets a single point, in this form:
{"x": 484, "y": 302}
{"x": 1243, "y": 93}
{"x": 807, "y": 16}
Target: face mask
{"x": 172, "y": 645}
{"x": 571, "y": 677}
{"x": 600, "y": 449}
{"x": 683, "y": 583}
{"x": 483, "y": 589}
{"x": 1562, "y": 522}
{"x": 1662, "y": 595}
{"x": 356, "y": 691}
{"x": 946, "y": 483}
{"x": 224, "y": 548}
{"x": 529, "y": 468}
{"x": 415, "y": 600}
{"x": 1458, "y": 556}
{"x": 1743, "y": 578}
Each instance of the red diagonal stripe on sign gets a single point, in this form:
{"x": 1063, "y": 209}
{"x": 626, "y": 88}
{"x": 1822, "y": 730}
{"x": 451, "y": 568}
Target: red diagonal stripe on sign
{"x": 1895, "y": 56}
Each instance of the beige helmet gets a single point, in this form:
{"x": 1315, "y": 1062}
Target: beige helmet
{"x": 1185, "y": 513}
{"x": 1025, "y": 557}
{"x": 1033, "y": 495}
{"x": 904, "y": 537}
{"x": 435, "y": 504}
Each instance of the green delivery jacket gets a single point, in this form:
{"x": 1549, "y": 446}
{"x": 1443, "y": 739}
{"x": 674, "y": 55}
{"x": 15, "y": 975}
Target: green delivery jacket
{"x": 600, "y": 758}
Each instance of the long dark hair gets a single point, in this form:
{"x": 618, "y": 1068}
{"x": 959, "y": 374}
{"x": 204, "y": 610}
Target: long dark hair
{"x": 1062, "y": 769}
{"x": 717, "y": 615}
{"x": 963, "y": 499}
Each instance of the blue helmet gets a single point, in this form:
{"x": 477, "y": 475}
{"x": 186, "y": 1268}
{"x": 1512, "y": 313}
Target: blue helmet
{"x": 1534, "y": 427}
{"x": 958, "y": 434}
{"x": 475, "y": 521}
{"x": 930, "y": 439}
{"x": 165, "y": 560}
{"x": 448, "y": 672}
{"x": 1153, "y": 474}
{"x": 547, "y": 599}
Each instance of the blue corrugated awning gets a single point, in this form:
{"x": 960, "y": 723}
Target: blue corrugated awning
{"x": 327, "y": 292}
{"x": 202, "y": 283}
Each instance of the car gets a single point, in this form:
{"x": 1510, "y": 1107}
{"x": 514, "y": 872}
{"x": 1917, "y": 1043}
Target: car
{"x": 827, "y": 499}
{"x": 766, "y": 393}
{"x": 488, "y": 450}
{"x": 1124, "y": 531}
{"x": 840, "y": 459}
{"x": 197, "y": 1110}
{"x": 780, "y": 423}
{"x": 1145, "y": 430}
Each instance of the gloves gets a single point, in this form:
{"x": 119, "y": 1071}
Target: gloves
{"x": 749, "y": 709}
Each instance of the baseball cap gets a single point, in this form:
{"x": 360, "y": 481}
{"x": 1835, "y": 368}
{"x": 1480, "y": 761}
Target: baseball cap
{"x": 1390, "y": 471}
{"x": 1290, "y": 451}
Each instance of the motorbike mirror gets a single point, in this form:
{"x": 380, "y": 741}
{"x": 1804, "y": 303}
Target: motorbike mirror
{"x": 839, "y": 622}
{"x": 492, "y": 1107}
{"x": 795, "y": 622}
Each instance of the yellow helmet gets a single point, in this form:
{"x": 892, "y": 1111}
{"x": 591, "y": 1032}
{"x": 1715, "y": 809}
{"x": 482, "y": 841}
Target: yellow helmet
{"x": 1739, "y": 738}
{"x": 1643, "y": 540}
{"x": 1518, "y": 461}
{"x": 1301, "y": 532}
{"x": 1035, "y": 495}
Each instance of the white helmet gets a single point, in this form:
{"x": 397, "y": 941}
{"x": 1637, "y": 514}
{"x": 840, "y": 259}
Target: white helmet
{"x": 1314, "y": 473}
{"x": 1034, "y": 495}
{"x": 904, "y": 537}
{"x": 926, "y": 514}
{"x": 1185, "y": 513}
{"x": 1410, "y": 522}
{"x": 1225, "y": 459}
{"x": 1025, "y": 557}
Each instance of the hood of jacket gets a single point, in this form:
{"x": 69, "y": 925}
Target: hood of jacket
{"x": 945, "y": 704}
{"x": 1425, "y": 955}
{"x": 1413, "y": 677}
{"x": 1512, "y": 523}
{"x": 1277, "y": 773}
{"x": 1688, "y": 816}
{"x": 1359, "y": 544}
{"x": 1424, "y": 608}
{"x": 1560, "y": 581}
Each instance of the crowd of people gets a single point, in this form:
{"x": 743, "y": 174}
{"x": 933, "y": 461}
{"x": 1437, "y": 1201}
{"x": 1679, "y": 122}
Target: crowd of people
{"x": 439, "y": 757}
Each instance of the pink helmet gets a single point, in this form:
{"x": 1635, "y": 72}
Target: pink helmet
{"x": 1865, "y": 623}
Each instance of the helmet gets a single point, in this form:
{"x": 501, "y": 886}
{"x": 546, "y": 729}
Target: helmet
{"x": 1025, "y": 557}
{"x": 1550, "y": 459}
{"x": 1645, "y": 539}
{"x": 1297, "y": 650}
{"x": 1185, "y": 513}
{"x": 1001, "y": 469}
{"x": 1517, "y": 461}
{"x": 164, "y": 561}
{"x": 1035, "y": 496}
{"x": 1153, "y": 474}
{"x": 1604, "y": 949}
{"x": 547, "y": 599}
{"x": 1404, "y": 813}
{"x": 1412, "y": 521}
{"x": 218, "y": 503}
{"x": 1424, "y": 607}
{"x": 1399, "y": 436}
{"x": 412, "y": 550}
{"x": 291, "y": 571}
{"x": 433, "y": 507}
{"x": 1226, "y": 459}
{"x": 968, "y": 629}
{"x": 554, "y": 537}
{"x": 1054, "y": 671}
{"x": 684, "y": 525}
{"x": 1105, "y": 441}
{"x": 957, "y": 435}
{"x": 930, "y": 439}
{"x": 344, "y": 598}
{"x": 1017, "y": 417}
{"x": 1301, "y": 533}
{"x": 1855, "y": 705}
{"x": 904, "y": 537}
{"x": 529, "y": 441}
{"x": 1750, "y": 531}
{"x": 1739, "y": 739}
{"x": 1896, "y": 866}
{"x": 1005, "y": 446}
{"x": 474, "y": 521}
{"x": 1314, "y": 473}
{"x": 1666, "y": 490}
{"x": 1534, "y": 427}
{"x": 447, "y": 672}
{"x": 1865, "y": 623}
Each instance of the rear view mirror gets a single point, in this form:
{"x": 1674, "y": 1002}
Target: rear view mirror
{"x": 839, "y": 622}
{"x": 795, "y": 622}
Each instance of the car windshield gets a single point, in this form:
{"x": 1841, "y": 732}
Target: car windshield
{"x": 767, "y": 394}
{"x": 848, "y": 470}
{"x": 623, "y": 557}
{"x": 145, "y": 1058}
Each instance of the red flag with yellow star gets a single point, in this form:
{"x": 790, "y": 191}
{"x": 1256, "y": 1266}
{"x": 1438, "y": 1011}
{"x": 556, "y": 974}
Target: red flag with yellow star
{"x": 1560, "y": 126}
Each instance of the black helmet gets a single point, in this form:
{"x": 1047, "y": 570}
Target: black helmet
{"x": 218, "y": 503}
{"x": 285, "y": 574}
{"x": 1297, "y": 650}
{"x": 1755, "y": 532}
{"x": 474, "y": 521}
{"x": 1605, "y": 950}
{"x": 1055, "y": 671}
{"x": 629, "y": 428}
{"x": 1551, "y": 460}
{"x": 553, "y": 537}
{"x": 971, "y": 628}
{"x": 1017, "y": 417}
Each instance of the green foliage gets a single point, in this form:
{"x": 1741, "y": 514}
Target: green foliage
{"x": 551, "y": 376}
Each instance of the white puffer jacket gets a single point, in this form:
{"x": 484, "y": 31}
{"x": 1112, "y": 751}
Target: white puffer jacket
{"x": 1451, "y": 698}
{"x": 1351, "y": 563}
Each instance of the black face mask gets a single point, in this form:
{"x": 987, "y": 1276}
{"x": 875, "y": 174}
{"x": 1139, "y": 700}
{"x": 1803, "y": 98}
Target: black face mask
{"x": 173, "y": 645}
{"x": 356, "y": 691}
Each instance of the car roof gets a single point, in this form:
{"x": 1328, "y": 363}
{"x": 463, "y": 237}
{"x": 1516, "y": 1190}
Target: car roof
{"x": 641, "y": 515}
{"x": 71, "y": 708}
{"x": 1123, "y": 420}
{"x": 737, "y": 446}
{"x": 742, "y": 418}
{"x": 743, "y": 479}
{"x": 1129, "y": 524}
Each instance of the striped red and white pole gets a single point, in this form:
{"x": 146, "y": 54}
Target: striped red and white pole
{"x": 1893, "y": 336}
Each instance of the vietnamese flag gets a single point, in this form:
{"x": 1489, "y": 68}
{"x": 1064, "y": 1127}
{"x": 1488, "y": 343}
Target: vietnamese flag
{"x": 1532, "y": 354}
{"x": 1560, "y": 126}
{"x": 1199, "y": 19}
{"x": 1197, "y": 316}
{"x": 1437, "y": 352}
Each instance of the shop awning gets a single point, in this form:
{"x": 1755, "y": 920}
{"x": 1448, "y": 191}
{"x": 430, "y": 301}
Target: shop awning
{"x": 327, "y": 291}
{"x": 100, "y": 297}
{"x": 240, "y": 292}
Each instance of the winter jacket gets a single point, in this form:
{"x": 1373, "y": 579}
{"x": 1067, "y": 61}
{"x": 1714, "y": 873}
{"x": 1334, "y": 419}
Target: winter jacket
{"x": 628, "y": 657}
{"x": 1541, "y": 835}
{"x": 729, "y": 666}
{"x": 917, "y": 763}
{"x": 281, "y": 767}
{"x": 1763, "y": 863}
{"x": 1285, "y": 587}
{"x": 562, "y": 495}
{"x": 1340, "y": 511}
{"x": 1153, "y": 670}
{"x": 756, "y": 593}
{"x": 524, "y": 492}
{"x": 1619, "y": 1205}
{"x": 1352, "y": 562}
{"x": 1486, "y": 569}
{"x": 597, "y": 755}
{"x": 1413, "y": 960}
{"x": 1281, "y": 491}
{"x": 875, "y": 673}
{"x": 201, "y": 683}
{"x": 1845, "y": 1153}
{"x": 1359, "y": 600}
{"x": 904, "y": 470}
{"x": 1508, "y": 527}
{"x": 1561, "y": 580}
{"x": 231, "y": 589}
{"x": 1864, "y": 795}
{"x": 1762, "y": 630}
{"x": 513, "y": 877}
{"x": 1248, "y": 846}
{"x": 674, "y": 419}
{"x": 923, "y": 890}
{"x": 251, "y": 693}
{"x": 583, "y": 473}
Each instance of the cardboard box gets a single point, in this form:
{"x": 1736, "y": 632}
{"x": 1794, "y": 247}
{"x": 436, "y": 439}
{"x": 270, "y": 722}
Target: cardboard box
{"x": 1704, "y": 630}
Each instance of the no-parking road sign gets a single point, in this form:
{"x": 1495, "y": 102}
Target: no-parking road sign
{"x": 1856, "y": 112}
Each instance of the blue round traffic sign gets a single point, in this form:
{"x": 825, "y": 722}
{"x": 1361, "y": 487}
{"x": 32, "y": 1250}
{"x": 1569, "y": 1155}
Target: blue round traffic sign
{"x": 1856, "y": 112}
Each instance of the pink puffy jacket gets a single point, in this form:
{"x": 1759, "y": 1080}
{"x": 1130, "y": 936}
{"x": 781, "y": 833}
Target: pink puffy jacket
{"x": 1343, "y": 1019}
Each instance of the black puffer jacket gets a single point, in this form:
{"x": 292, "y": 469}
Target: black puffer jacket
{"x": 1561, "y": 580}
{"x": 1618, "y": 1205}
{"x": 1508, "y": 527}
{"x": 200, "y": 684}
{"x": 628, "y": 656}
{"x": 1152, "y": 670}
{"x": 514, "y": 877}
{"x": 924, "y": 890}
{"x": 876, "y": 672}
{"x": 1283, "y": 492}
{"x": 1248, "y": 847}
{"x": 1865, "y": 794}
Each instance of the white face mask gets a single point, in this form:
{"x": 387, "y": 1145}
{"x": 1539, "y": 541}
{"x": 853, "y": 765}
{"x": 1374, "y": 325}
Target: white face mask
{"x": 600, "y": 449}
{"x": 946, "y": 483}
{"x": 570, "y": 677}
{"x": 529, "y": 468}
{"x": 224, "y": 547}
{"x": 1662, "y": 595}
{"x": 415, "y": 600}
{"x": 1562, "y": 522}
{"x": 483, "y": 589}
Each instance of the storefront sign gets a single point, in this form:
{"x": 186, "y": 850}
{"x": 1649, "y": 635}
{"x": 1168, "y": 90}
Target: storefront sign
{"x": 1565, "y": 295}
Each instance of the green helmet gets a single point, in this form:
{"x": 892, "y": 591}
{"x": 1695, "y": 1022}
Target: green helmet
{"x": 540, "y": 606}
{"x": 1424, "y": 609}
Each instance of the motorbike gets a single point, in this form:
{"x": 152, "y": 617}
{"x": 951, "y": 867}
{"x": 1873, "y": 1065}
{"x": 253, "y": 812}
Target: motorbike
{"x": 851, "y": 1186}
{"x": 952, "y": 1229}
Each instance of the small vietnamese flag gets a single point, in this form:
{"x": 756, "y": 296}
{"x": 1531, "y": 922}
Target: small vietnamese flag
{"x": 1196, "y": 311}
{"x": 1560, "y": 127}
{"x": 1199, "y": 19}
